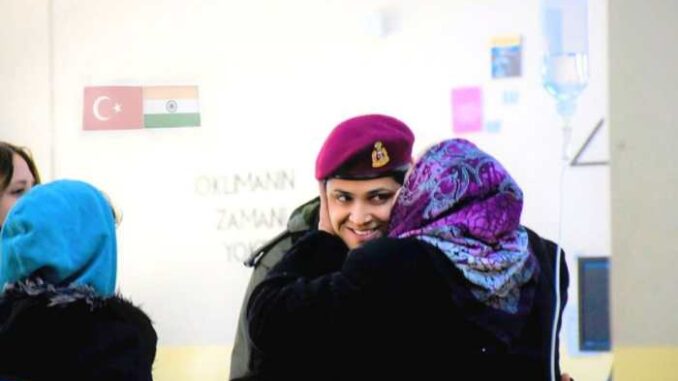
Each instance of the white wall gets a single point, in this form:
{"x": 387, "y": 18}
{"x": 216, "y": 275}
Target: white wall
{"x": 274, "y": 78}
{"x": 25, "y": 113}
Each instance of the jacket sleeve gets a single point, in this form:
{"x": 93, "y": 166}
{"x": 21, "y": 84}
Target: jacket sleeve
{"x": 297, "y": 301}
{"x": 317, "y": 293}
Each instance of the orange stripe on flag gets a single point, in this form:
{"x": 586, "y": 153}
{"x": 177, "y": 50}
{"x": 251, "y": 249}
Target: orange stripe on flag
{"x": 171, "y": 92}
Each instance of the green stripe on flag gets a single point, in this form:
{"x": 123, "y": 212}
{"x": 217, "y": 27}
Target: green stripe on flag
{"x": 171, "y": 120}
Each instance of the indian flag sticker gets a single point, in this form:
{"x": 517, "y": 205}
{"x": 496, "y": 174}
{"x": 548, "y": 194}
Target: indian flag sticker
{"x": 171, "y": 106}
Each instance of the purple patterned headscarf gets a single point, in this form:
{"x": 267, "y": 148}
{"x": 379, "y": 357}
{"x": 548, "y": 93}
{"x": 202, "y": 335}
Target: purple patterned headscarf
{"x": 463, "y": 201}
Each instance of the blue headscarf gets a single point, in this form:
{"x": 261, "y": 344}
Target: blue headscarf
{"x": 62, "y": 232}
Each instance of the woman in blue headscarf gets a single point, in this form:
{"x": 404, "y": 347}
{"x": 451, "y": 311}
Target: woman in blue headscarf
{"x": 60, "y": 318}
{"x": 459, "y": 289}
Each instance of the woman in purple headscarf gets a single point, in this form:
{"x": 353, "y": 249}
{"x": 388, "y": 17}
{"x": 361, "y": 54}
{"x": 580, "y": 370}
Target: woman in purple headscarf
{"x": 459, "y": 289}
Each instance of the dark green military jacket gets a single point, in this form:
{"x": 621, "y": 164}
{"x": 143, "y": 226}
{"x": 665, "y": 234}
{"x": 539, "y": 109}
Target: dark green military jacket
{"x": 245, "y": 357}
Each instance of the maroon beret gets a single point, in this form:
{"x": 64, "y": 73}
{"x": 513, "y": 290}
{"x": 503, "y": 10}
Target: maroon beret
{"x": 364, "y": 147}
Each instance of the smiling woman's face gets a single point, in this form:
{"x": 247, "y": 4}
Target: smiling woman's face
{"x": 22, "y": 181}
{"x": 360, "y": 210}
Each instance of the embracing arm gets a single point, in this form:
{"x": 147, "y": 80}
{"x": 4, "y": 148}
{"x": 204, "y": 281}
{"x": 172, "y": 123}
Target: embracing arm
{"x": 299, "y": 299}
{"x": 318, "y": 293}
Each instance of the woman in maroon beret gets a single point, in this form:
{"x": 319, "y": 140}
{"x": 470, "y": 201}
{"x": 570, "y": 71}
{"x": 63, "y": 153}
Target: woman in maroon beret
{"x": 360, "y": 168}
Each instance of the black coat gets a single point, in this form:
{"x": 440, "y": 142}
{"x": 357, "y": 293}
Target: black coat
{"x": 394, "y": 309}
{"x": 82, "y": 337}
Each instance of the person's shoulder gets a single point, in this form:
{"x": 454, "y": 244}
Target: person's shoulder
{"x": 49, "y": 318}
{"x": 391, "y": 244}
{"x": 542, "y": 248}
{"x": 67, "y": 308}
{"x": 388, "y": 250}
{"x": 546, "y": 252}
{"x": 305, "y": 216}
{"x": 303, "y": 219}
{"x": 536, "y": 239}
{"x": 128, "y": 320}
{"x": 388, "y": 264}
{"x": 120, "y": 308}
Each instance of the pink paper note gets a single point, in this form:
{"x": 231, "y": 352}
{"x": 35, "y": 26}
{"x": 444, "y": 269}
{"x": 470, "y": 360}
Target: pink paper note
{"x": 467, "y": 110}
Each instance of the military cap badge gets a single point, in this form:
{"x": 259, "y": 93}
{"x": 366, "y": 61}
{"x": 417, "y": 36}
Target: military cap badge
{"x": 379, "y": 155}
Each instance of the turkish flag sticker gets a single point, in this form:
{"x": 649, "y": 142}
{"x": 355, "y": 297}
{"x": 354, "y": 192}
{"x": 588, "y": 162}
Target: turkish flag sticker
{"x": 113, "y": 108}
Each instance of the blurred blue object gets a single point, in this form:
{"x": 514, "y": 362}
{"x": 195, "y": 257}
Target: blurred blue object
{"x": 565, "y": 68}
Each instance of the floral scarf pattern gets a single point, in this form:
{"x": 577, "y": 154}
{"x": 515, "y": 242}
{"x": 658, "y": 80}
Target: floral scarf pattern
{"x": 462, "y": 201}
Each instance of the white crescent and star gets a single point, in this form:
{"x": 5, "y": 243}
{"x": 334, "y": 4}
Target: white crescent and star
{"x": 96, "y": 111}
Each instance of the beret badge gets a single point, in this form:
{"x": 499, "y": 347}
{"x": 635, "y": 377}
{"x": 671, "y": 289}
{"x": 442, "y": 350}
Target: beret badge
{"x": 379, "y": 155}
